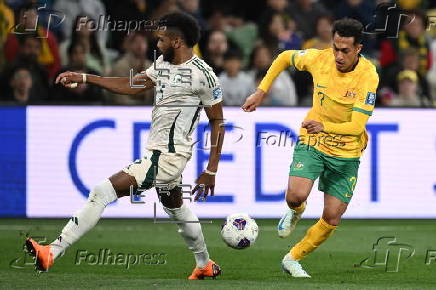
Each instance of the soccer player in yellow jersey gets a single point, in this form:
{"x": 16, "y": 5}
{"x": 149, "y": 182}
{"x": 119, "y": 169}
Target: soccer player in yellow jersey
{"x": 332, "y": 136}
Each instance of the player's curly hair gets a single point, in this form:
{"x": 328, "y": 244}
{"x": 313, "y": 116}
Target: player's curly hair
{"x": 348, "y": 27}
{"x": 183, "y": 23}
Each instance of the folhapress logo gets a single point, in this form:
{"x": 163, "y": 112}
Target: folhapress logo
{"x": 389, "y": 254}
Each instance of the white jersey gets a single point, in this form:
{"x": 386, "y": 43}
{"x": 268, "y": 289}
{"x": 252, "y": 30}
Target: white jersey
{"x": 180, "y": 90}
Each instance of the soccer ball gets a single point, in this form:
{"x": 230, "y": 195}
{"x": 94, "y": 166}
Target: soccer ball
{"x": 239, "y": 231}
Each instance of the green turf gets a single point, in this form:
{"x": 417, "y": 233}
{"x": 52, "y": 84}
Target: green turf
{"x": 332, "y": 266}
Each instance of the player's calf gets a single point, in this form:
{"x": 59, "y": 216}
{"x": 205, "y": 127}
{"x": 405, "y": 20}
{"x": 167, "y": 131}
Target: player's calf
{"x": 333, "y": 209}
{"x": 85, "y": 218}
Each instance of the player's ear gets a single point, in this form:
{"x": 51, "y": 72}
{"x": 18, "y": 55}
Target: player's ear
{"x": 359, "y": 48}
{"x": 177, "y": 42}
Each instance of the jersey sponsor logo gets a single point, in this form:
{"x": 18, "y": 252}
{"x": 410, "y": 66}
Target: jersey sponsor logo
{"x": 302, "y": 52}
{"x": 370, "y": 99}
{"x": 217, "y": 93}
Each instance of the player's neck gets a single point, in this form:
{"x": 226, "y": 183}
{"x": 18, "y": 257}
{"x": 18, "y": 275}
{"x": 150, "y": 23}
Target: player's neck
{"x": 354, "y": 65}
{"x": 182, "y": 57}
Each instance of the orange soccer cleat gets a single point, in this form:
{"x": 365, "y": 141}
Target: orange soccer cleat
{"x": 42, "y": 254}
{"x": 210, "y": 270}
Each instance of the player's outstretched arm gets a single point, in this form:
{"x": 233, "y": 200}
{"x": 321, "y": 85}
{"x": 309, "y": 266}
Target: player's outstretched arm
{"x": 253, "y": 101}
{"x": 118, "y": 85}
{"x": 207, "y": 178}
{"x": 282, "y": 62}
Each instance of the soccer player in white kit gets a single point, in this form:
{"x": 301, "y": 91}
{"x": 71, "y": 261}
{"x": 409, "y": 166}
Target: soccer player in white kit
{"x": 184, "y": 84}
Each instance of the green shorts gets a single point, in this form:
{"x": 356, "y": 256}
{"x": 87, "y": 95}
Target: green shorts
{"x": 337, "y": 176}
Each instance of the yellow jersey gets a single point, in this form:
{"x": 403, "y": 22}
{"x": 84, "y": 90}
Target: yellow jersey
{"x": 343, "y": 102}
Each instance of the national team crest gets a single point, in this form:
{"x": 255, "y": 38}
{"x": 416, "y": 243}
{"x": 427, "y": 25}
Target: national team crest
{"x": 299, "y": 166}
{"x": 370, "y": 99}
{"x": 177, "y": 79}
{"x": 350, "y": 94}
{"x": 217, "y": 93}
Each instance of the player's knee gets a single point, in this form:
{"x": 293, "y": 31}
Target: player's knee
{"x": 171, "y": 203}
{"x": 103, "y": 193}
{"x": 295, "y": 197}
{"x": 332, "y": 217}
{"x": 171, "y": 198}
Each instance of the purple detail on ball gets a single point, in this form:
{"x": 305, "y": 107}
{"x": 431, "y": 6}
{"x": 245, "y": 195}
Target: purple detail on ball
{"x": 240, "y": 224}
{"x": 244, "y": 243}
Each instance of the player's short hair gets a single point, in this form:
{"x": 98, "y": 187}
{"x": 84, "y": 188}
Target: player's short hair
{"x": 184, "y": 24}
{"x": 348, "y": 27}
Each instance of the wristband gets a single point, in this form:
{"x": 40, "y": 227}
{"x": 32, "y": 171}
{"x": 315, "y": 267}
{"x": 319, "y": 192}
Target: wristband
{"x": 84, "y": 78}
{"x": 209, "y": 172}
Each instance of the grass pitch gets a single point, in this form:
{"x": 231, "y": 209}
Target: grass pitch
{"x": 335, "y": 265}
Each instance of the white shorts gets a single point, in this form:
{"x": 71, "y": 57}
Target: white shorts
{"x": 157, "y": 169}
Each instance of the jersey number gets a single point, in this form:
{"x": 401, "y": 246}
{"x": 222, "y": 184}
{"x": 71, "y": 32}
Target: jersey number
{"x": 353, "y": 181}
{"x": 322, "y": 97}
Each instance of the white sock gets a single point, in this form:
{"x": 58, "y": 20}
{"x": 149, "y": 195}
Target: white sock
{"x": 85, "y": 218}
{"x": 191, "y": 233}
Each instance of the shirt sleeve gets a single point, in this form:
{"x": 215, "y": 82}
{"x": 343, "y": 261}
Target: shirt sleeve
{"x": 282, "y": 62}
{"x": 209, "y": 88}
{"x": 362, "y": 110}
{"x": 304, "y": 59}
{"x": 151, "y": 73}
{"x": 301, "y": 59}
{"x": 365, "y": 101}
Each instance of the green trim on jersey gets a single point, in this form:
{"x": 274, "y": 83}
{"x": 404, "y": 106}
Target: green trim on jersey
{"x": 151, "y": 174}
{"x": 171, "y": 148}
{"x": 209, "y": 77}
{"x": 369, "y": 113}
{"x": 194, "y": 118}
{"x": 205, "y": 71}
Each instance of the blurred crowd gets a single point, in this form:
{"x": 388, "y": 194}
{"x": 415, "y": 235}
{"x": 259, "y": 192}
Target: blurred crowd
{"x": 240, "y": 39}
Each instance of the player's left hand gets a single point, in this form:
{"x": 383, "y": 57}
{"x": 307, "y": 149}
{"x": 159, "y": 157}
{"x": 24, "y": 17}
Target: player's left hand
{"x": 312, "y": 127}
{"x": 205, "y": 184}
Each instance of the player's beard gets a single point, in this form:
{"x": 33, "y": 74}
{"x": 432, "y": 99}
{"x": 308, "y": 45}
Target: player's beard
{"x": 168, "y": 55}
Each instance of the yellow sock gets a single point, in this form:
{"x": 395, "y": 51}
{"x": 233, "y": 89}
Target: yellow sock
{"x": 300, "y": 208}
{"x": 314, "y": 237}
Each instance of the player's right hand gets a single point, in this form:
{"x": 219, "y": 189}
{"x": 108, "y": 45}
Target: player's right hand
{"x": 253, "y": 101}
{"x": 67, "y": 78}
